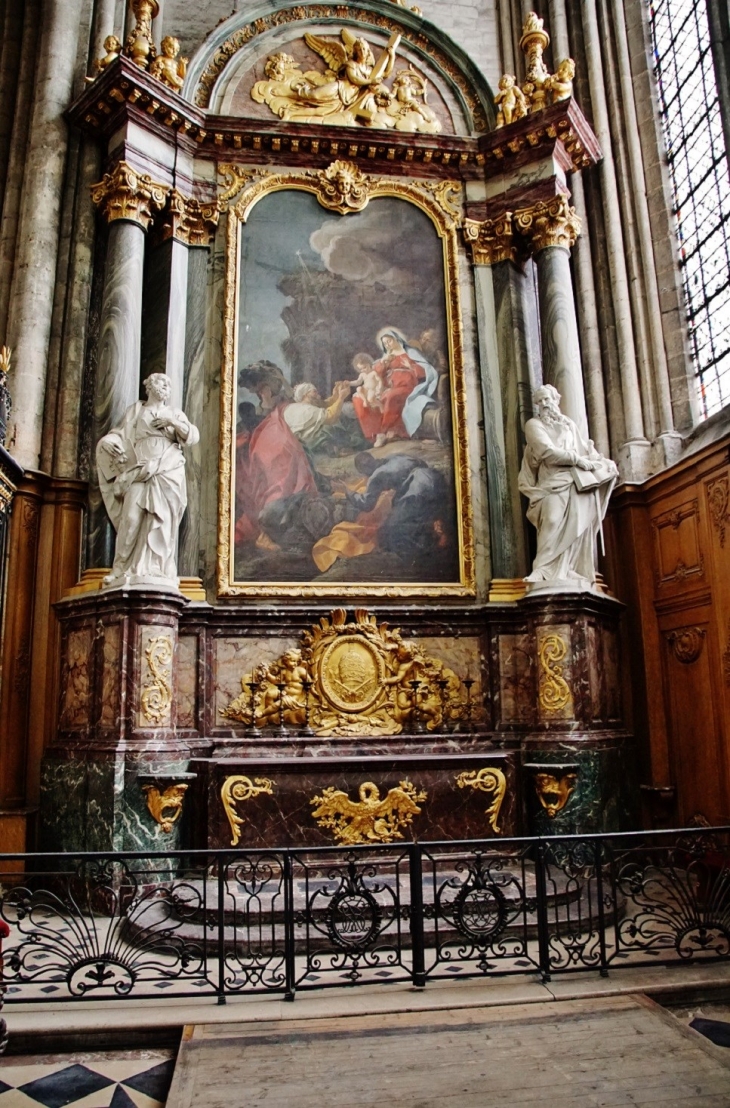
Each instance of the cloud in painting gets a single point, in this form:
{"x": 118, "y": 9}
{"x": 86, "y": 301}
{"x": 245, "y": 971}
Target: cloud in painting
{"x": 378, "y": 246}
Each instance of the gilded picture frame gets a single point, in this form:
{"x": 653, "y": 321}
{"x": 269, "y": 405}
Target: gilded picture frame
{"x": 343, "y": 189}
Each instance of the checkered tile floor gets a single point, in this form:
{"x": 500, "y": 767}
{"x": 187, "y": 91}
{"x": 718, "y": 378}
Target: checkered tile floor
{"x": 118, "y": 1079}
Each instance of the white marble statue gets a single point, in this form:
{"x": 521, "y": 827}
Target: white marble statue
{"x": 568, "y": 485}
{"x": 142, "y": 478}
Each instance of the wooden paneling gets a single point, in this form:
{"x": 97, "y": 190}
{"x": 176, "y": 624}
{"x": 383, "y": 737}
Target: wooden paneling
{"x": 669, "y": 561}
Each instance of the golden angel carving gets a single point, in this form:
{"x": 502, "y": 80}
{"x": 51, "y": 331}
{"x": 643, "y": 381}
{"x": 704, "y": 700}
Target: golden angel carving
{"x": 356, "y": 678}
{"x": 350, "y": 91}
{"x": 371, "y": 819}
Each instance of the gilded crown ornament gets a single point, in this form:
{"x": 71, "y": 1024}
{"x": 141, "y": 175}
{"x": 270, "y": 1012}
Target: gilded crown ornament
{"x": 540, "y": 88}
{"x": 352, "y": 678}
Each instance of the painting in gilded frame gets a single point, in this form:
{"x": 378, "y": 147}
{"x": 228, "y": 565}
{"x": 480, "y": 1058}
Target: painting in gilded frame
{"x": 344, "y": 447}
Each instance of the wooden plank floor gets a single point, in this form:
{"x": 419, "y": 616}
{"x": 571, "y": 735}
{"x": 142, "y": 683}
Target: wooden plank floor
{"x": 574, "y": 1054}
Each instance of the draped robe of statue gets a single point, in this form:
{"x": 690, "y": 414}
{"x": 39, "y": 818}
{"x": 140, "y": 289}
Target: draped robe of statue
{"x": 146, "y": 496}
{"x": 567, "y": 518}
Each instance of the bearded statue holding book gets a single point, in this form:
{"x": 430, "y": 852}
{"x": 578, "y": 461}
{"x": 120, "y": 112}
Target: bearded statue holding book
{"x": 568, "y": 485}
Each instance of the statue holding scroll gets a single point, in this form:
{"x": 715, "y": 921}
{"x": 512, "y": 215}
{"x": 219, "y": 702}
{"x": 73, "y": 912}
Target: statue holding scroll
{"x": 568, "y": 485}
{"x": 142, "y": 479}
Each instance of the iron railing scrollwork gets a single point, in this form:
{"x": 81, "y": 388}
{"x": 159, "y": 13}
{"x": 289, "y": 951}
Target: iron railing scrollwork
{"x": 224, "y": 923}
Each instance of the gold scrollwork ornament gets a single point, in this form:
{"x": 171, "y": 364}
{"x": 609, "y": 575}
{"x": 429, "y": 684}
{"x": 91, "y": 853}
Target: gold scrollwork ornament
{"x": 165, "y": 807}
{"x": 487, "y": 780}
{"x": 369, "y": 820}
{"x": 236, "y": 790}
{"x": 554, "y": 691}
{"x": 156, "y": 696}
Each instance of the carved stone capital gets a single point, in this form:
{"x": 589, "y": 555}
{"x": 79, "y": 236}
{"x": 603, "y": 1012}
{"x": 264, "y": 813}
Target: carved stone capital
{"x": 190, "y": 221}
{"x": 491, "y": 240}
{"x": 551, "y": 223}
{"x": 126, "y": 194}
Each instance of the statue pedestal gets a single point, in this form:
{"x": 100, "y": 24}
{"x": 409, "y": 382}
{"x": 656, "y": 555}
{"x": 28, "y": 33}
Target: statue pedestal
{"x": 118, "y": 723}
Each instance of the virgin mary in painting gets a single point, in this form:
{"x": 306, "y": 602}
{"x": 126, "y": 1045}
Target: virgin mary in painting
{"x": 408, "y": 384}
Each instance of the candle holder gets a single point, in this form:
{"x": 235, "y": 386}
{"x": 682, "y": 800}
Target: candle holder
{"x": 442, "y": 684}
{"x": 468, "y": 683}
{"x": 307, "y": 728}
{"x": 417, "y": 726}
{"x": 282, "y": 728}
{"x": 253, "y": 729}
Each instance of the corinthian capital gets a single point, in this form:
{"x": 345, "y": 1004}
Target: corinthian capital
{"x": 492, "y": 240}
{"x": 551, "y": 223}
{"x": 126, "y": 194}
{"x": 190, "y": 221}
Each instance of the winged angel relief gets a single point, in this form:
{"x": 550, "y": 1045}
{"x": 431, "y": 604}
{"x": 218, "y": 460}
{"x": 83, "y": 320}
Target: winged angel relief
{"x": 351, "y": 90}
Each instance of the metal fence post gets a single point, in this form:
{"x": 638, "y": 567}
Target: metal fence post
{"x": 543, "y": 943}
{"x": 222, "y": 870}
{"x": 289, "y": 953}
{"x": 418, "y": 954}
{"x": 601, "y": 910}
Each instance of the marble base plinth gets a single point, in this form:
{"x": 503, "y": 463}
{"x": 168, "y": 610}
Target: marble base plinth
{"x": 282, "y": 815}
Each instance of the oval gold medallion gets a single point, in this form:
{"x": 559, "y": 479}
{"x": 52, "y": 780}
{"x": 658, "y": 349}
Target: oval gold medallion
{"x": 352, "y": 672}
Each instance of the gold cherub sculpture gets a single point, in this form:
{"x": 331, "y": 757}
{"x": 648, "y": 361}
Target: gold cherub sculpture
{"x": 540, "y": 87}
{"x": 167, "y": 67}
{"x": 113, "y": 48}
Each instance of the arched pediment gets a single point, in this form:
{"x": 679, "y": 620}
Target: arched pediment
{"x": 233, "y": 62}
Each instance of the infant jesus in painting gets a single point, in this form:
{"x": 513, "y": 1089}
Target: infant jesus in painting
{"x": 369, "y": 384}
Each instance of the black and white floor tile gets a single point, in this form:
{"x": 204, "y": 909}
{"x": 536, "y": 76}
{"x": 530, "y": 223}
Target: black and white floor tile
{"x": 118, "y": 1079}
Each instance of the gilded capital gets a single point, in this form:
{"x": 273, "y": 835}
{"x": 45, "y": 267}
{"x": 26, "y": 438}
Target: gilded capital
{"x": 491, "y": 240}
{"x": 190, "y": 221}
{"x": 551, "y": 223}
{"x": 126, "y": 194}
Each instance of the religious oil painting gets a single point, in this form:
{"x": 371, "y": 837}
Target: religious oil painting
{"x": 342, "y": 442}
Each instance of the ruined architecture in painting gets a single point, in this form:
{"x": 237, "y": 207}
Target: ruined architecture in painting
{"x": 355, "y": 487}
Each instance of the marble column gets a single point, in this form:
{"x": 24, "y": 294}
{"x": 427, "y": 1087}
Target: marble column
{"x": 32, "y": 297}
{"x": 16, "y": 163}
{"x": 11, "y": 23}
{"x": 127, "y": 199}
{"x": 508, "y": 349}
{"x": 105, "y": 23}
{"x": 552, "y": 229}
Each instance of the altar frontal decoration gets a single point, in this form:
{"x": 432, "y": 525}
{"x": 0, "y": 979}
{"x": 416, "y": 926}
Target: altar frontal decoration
{"x": 371, "y": 819}
{"x": 356, "y": 678}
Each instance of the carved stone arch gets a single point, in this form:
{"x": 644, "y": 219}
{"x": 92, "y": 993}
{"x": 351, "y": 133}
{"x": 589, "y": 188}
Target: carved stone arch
{"x": 237, "y": 44}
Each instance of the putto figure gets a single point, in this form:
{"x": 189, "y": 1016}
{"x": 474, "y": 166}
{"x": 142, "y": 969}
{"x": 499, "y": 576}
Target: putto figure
{"x": 568, "y": 485}
{"x": 142, "y": 479}
{"x": 167, "y": 67}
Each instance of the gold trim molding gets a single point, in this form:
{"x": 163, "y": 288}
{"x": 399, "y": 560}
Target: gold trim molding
{"x": 343, "y": 188}
{"x": 369, "y": 819}
{"x": 236, "y": 790}
{"x": 506, "y": 590}
{"x": 165, "y": 807}
{"x": 126, "y": 194}
{"x": 487, "y": 780}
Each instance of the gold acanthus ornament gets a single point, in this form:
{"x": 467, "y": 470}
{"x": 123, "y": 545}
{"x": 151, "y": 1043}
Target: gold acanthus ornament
{"x": 189, "y": 220}
{"x": 491, "y": 240}
{"x": 554, "y": 792}
{"x": 237, "y": 790}
{"x": 351, "y": 90}
{"x": 487, "y": 780}
{"x": 370, "y": 819}
{"x": 127, "y": 194}
{"x": 165, "y": 807}
{"x": 356, "y": 678}
{"x": 551, "y": 223}
{"x": 540, "y": 88}
{"x": 156, "y": 695}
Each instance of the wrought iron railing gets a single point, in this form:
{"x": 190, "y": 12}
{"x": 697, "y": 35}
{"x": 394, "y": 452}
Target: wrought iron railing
{"x": 222, "y": 923}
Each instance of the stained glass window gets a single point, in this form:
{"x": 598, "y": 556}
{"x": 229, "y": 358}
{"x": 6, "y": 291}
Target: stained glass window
{"x": 698, "y": 165}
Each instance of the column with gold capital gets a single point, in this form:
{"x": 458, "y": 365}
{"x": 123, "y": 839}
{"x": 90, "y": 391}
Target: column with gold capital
{"x": 128, "y": 201}
{"x": 552, "y": 228}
